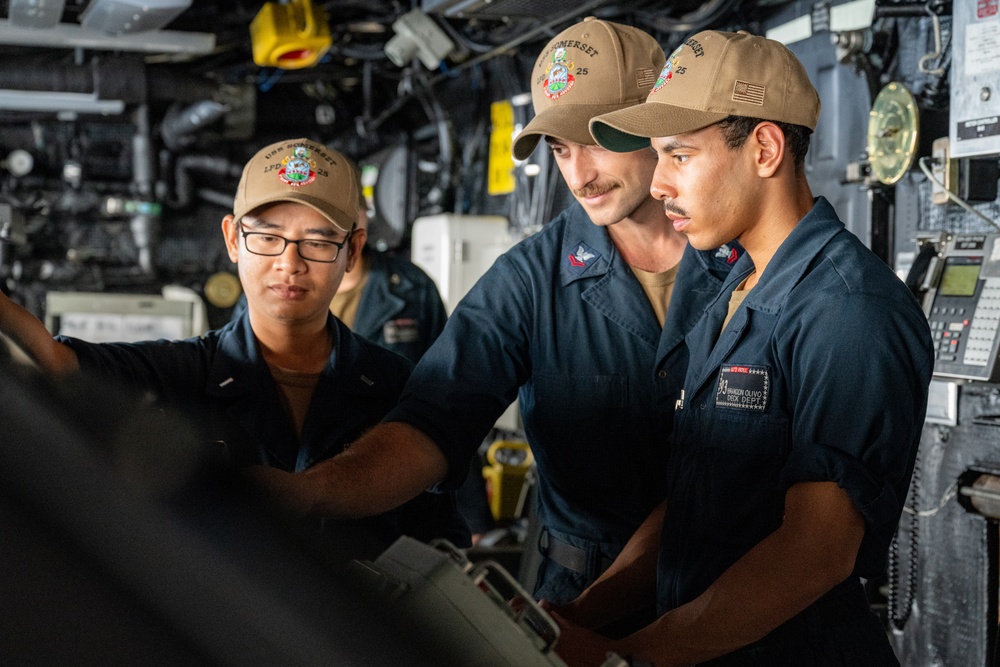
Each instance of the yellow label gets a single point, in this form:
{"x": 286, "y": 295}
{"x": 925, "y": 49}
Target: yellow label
{"x": 501, "y": 165}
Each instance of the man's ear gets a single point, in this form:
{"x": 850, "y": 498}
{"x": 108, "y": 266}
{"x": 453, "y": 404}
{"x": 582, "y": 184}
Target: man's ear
{"x": 769, "y": 148}
{"x": 231, "y": 233}
{"x": 356, "y": 246}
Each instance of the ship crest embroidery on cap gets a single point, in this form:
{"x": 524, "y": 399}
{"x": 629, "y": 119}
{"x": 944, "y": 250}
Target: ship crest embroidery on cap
{"x": 668, "y": 70}
{"x": 298, "y": 169}
{"x": 558, "y": 79}
{"x": 673, "y": 65}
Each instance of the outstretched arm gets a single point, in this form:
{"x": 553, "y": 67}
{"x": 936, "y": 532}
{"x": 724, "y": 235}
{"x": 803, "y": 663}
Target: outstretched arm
{"x": 383, "y": 469}
{"x": 28, "y": 332}
{"x": 813, "y": 551}
{"x": 627, "y": 585}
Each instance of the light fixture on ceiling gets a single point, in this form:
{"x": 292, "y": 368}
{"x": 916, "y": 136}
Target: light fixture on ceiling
{"x": 126, "y": 16}
{"x": 418, "y": 35}
{"x": 35, "y": 13}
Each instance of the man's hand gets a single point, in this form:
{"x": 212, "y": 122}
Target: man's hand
{"x": 579, "y": 647}
{"x": 568, "y": 612}
{"x": 629, "y": 584}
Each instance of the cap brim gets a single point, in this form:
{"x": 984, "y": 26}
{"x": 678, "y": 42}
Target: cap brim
{"x": 339, "y": 219}
{"x": 568, "y": 122}
{"x": 630, "y": 129}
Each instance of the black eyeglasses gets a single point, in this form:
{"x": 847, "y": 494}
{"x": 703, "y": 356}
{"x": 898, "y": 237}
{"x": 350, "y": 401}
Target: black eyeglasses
{"x": 313, "y": 250}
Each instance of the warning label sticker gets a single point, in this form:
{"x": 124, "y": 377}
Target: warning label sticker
{"x": 982, "y": 47}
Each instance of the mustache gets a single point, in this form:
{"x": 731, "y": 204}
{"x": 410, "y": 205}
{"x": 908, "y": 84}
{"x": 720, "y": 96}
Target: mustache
{"x": 674, "y": 208}
{"x": 595, "y": 189}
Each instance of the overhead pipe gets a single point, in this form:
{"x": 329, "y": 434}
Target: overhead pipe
{"x": 118, "y": 78}
{"x": 184, "y": 190}
{"x": 179, "y": 126}
{"x": 71, "y": 36}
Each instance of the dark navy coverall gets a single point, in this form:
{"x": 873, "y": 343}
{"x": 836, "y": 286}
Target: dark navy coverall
{"x": 561, "y": 321}
{"x": 400, "y": 307}
{"x": 221, "y": 383}
{"x": 821, "y": 375}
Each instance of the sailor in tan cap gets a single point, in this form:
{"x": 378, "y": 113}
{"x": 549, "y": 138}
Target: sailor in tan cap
{"x": 573, "y": 321}
{"x": 286, "y": 385}
{"x": 802, "y": 408}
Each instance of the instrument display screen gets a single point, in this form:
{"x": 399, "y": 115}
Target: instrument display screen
{"x": 959, "y": 279}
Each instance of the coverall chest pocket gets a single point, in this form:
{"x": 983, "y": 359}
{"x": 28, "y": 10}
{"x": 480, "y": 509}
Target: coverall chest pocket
{"x": 581, "y": 418}
{"x": 740, "y": 465}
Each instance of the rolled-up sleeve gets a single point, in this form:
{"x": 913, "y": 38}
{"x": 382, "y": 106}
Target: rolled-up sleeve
{"x": 859, "y": 404}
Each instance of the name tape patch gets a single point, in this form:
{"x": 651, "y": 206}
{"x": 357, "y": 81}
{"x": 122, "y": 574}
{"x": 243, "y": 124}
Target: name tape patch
{"x": 743, "y": 387}
{"x": 401, "y": 331}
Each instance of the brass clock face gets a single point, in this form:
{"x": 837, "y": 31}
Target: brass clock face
{"x": 893, "y": 124}
{"x": 222, "y": 289}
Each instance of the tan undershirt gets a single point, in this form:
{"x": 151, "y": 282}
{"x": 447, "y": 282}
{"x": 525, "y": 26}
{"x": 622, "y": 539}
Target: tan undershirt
{"x": 345, "y": 304}
{"x": 296, "y": 390}
{"x": 658, "y": 287}
{"x": 735, "y": 299}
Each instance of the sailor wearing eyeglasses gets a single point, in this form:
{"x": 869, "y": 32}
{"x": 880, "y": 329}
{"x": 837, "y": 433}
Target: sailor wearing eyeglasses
{"x": 384, "y": 296}
{"x": 287, "y": 384}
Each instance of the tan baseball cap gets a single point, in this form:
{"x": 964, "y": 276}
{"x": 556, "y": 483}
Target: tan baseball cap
{"x": 588, "y": 69}
{"x": 301, "y": 171}
{"x": 711, "y": 76}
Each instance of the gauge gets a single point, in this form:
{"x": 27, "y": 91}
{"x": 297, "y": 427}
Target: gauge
{"x": 893, "y": 124}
